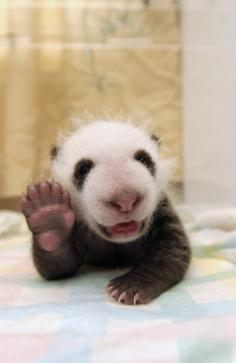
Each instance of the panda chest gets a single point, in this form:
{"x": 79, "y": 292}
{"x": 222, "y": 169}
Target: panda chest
{"x": 104, "y": 253}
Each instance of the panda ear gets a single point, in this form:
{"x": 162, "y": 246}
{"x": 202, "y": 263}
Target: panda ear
{"x": 156, "y": 139}
{"x": 54, "y": 151}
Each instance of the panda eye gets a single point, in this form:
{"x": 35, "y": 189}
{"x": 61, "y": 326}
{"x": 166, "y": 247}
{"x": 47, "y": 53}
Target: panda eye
{"x": 82, "y": 168}
{"x": 143, "y": 157}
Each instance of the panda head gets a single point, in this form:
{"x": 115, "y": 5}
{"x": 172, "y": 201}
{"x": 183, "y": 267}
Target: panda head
{"x": 115, "y": 177}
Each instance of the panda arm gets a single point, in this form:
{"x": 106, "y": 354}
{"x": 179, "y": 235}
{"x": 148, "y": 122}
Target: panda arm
{"x": 62, "y": 263}
{"x": 169, "y": 253}
{"x": 58, "y": 243}
{"x": 164, "y": 264}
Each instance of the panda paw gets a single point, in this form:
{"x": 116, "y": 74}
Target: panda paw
{"x": 132, "y": 290}
{"x": 49, "y": 215}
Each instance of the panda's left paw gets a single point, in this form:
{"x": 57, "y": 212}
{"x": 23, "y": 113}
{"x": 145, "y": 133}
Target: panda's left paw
{"x": 132, "y": 290}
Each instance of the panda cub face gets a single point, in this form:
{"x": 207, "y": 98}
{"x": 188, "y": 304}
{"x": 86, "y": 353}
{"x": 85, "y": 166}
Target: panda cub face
{"x": 115, "y": 177}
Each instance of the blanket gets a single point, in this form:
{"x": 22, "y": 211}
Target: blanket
{"x": 75, "y": 321}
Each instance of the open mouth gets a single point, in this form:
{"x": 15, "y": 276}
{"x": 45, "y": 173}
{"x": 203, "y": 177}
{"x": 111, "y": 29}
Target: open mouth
{"x": 123, "y": 230}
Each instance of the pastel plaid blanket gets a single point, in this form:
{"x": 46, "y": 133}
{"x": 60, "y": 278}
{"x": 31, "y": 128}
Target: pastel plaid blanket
{"x": 74, "y": 320}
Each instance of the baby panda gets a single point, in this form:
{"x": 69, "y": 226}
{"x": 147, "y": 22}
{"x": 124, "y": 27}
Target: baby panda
{"x": 108, "y": 207}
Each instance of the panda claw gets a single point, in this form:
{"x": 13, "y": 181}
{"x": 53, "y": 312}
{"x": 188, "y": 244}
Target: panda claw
{"x": 110, "y": 289}
{"x": 115, "y": 294}
{"x": 136, "y": 299}
{"x": 123, "y": 298}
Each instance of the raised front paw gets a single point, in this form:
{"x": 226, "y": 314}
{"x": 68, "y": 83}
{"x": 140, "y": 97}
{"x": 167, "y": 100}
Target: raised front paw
{"x": 50, "y": 217}
{"x": 131, "y": 290}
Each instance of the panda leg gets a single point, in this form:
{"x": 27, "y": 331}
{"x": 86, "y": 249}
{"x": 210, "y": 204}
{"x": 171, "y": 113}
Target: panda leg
{"x": 51, "y": 220}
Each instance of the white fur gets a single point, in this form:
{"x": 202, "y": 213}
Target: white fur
{"x": 111, "y": 146}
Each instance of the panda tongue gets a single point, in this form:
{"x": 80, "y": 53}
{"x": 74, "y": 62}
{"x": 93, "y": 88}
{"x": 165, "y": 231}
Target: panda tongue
{"x": 128, "y": 227}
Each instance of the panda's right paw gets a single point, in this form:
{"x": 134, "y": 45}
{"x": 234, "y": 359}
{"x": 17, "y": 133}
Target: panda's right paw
{"x": 49, "y": 215}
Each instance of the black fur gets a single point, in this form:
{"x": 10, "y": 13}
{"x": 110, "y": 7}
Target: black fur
{"x": 82, "y": 168}
{"x": 146, "y": 159}
{"x": 159, "y": 259}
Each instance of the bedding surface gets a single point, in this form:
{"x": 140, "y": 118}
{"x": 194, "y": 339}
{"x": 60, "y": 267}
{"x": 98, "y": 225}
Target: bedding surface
{"x": 74, "y": 320}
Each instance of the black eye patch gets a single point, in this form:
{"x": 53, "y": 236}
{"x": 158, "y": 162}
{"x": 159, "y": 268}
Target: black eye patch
{"x": 143, "y": 157}
{"x": 82, "y": 168}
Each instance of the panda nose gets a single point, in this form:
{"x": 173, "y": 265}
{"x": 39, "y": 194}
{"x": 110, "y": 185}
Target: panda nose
{"x": 125, "y": 203}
